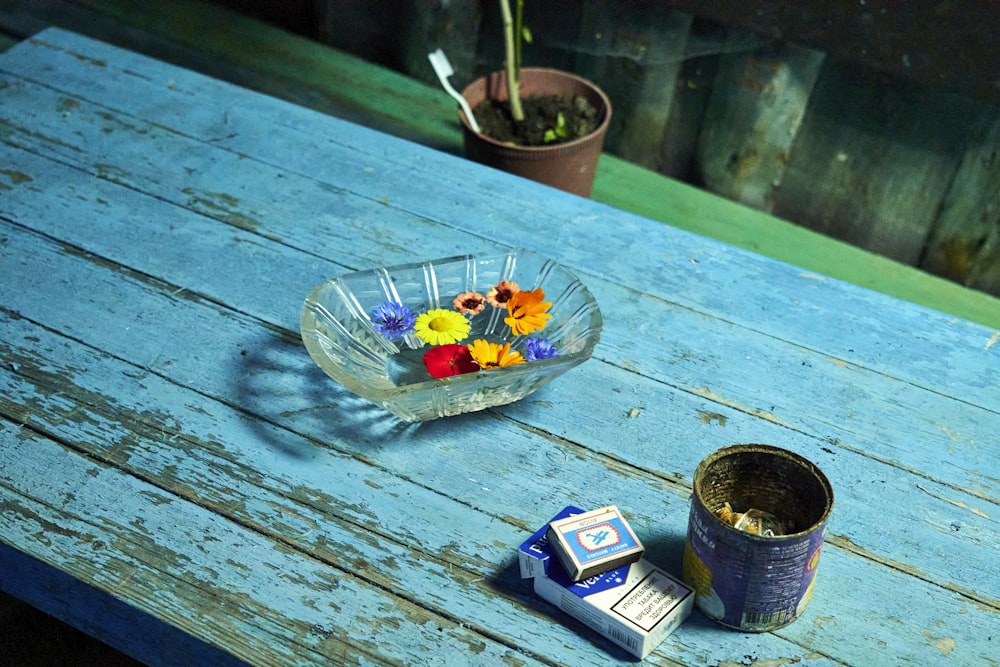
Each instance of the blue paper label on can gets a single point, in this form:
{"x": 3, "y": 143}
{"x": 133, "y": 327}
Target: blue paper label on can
{"x": 751, "y": 584}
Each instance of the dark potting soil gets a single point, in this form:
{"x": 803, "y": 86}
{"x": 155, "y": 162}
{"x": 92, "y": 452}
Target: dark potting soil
{"x": 541, "y": 125}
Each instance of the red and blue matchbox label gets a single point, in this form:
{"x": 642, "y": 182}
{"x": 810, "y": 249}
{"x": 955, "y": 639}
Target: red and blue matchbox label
{"x": 593, "y": 542}
{"x": 598, "y": 541}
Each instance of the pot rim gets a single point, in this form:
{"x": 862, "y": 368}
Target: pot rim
{"x": 599, "y": 130}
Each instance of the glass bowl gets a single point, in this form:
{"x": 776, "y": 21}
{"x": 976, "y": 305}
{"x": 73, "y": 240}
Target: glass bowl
{"x": 338, "y": 332}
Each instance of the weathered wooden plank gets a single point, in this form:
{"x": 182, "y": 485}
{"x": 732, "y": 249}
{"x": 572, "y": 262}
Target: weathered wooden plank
{"x": 618, "y": 182}
{"x": 491, "y": 485}
{"x": 275, "y": 362}
{"x": 191, "y": 331}
{"x": 965, "y": 243}
{"x": 873, "y": 160}
{"x": 686, "y": 280}
{"x": 795, "y": 367}
{"x": 790, "y": 411}
{"x": 239, "y": 589}
{"x": 304, "y": 490}
{"x": 743, "y": 385}
{"x": 320, "y": 484}
{"x": 635, "y": 50}
{"x": 256, "y": 55}
{"x": 306, "y": 498}
{"x": 757, "y": 105}
{"x": 854, "y": 465}
{"x": 740, "y": 393}
{"x": 946, "y": 46}
{"x": 97, "y": 613}
{"x": 431, "y": 471}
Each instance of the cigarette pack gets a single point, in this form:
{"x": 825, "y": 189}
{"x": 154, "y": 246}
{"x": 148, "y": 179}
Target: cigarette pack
{"x": 534, "y": 555}
{"x": 593, "y": 542}
{"x": 636, "y": 606}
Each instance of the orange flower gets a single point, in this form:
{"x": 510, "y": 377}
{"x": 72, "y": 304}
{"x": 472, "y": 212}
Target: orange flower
{"x": 526, "y": 311}
{"x": 494, "y": 355}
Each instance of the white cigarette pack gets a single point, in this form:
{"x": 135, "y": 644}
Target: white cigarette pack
{"x": 636, "y": 606}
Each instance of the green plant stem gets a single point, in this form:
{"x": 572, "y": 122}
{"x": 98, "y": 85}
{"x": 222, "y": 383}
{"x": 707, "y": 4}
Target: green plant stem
{"x": 519, "y": 37}
{"x": 512, "y": 39}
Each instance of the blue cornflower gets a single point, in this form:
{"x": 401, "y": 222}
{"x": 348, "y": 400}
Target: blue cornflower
{"x": 539, "y": 348}
{"x": 393, "y": 320}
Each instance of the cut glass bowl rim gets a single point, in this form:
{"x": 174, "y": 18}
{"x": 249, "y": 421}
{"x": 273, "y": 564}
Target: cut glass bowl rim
{"x": 387, "y": 393}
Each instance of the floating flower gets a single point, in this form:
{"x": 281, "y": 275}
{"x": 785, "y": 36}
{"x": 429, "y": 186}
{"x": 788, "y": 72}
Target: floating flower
{"x": 539, "y": 348}
{"x": 442, "y": 327}
{"x": 469, "y": 303}
{"x": 494, "y": 355}
{"x": 447, "y": 360}
{"x": 393, "y": 320}
{"x": 526, "y": 311}
{"x": 500, "y": 294}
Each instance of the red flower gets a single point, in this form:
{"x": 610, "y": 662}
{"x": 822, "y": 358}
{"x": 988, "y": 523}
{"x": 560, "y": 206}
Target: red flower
{"x": 447, "y": 360}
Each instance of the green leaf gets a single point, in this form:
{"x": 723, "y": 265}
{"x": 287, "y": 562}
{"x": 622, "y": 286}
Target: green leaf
{"x": 526, "y": 34}
{"x": 561, "y": 130}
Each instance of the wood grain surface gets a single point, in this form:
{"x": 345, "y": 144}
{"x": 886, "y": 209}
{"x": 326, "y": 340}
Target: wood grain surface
{"x": 167, "y": 443}
{"x": 268, "y": 59}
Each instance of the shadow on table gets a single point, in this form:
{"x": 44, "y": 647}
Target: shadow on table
{"x": 666, "y": 552}
{"x": 508, "y": 581}
{"x": 276, "y": 380}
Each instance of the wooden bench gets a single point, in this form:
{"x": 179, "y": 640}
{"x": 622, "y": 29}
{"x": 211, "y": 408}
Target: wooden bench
{"x": 265, "y": 58}
{"x": 178, "y": 479}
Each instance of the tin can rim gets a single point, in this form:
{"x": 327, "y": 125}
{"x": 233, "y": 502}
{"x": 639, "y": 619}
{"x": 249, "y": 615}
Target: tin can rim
{"x": 738, "y": 449}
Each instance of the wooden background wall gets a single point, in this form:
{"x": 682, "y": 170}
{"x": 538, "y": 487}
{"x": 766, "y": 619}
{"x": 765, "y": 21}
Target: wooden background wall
{"x": 872, "y": 125}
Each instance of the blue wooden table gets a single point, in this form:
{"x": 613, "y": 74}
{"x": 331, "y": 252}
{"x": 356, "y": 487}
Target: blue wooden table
{"x": 180, "y": 480}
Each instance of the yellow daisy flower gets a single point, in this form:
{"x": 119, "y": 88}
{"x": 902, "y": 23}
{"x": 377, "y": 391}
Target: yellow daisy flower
{"x": 441, "y": 327}
{"x": 526, "y": 311}
{"x": 494, "y": 355}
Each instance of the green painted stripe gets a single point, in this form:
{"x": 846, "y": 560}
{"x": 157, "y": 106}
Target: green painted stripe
{"x": 317, "y": 76}
{"x": 387, "y": 98}
{"x": 626, "y": 186}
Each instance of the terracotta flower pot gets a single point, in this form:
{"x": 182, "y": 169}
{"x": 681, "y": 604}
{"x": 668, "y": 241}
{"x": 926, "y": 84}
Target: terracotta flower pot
{"x": 568, "y": 166}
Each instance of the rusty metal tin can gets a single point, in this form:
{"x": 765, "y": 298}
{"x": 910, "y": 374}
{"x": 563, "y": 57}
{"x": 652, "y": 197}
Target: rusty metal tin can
{"x": 750, "y": 582}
